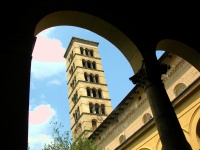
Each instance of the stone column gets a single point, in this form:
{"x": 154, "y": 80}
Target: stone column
{"x": 169, "y": 129}
{"x": 15, "y": 60}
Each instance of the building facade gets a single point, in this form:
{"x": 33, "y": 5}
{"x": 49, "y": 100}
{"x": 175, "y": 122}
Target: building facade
{"x": 89, "y": 98}
{"x": 131, "y": 124}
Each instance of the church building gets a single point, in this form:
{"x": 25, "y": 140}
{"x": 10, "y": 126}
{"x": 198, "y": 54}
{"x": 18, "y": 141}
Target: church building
{"x": 131, "y": 125}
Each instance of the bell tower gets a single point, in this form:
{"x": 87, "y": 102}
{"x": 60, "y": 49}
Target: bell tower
{"x": 89, "y": 99}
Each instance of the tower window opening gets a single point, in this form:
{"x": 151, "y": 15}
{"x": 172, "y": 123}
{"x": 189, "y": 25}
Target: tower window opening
{"x": 86, "y": 52}
{"x": 97, "y": 108}
{"x": 84, "y": 63}
{"x": 96, "y": 79}
{"x": 103, "y": 109}
{"x": 94, "y": 65}
{"x": 91, "y": 108}
{"x": 99, "y": 93}
{"x": 81, "y": 50}
{"x": 88, "y": 92}
{"x": 94, "y": 92}
{"x": 94, "y": 124}
{"x": 91, "y": 53}
{"x": 89, "y": 64}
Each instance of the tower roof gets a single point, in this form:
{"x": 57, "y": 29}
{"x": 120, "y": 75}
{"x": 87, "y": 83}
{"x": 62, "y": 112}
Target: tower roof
{"x": 79, "y": 40}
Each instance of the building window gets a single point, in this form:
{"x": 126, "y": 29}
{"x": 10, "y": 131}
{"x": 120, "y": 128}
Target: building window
{"x": 147, "y": 117}
{"x": 94, "y": 92}
{"x": 97, "y": 108}
{"x": 86, "y": 76}
{"x": 91, "y": 78}
{"x": 96, "y": 79}
{"x": 91, "y": 53}
{"x": 88, "y": 91}
{"x": 99, "y": 93}
{"x": 94, "y": 124}
{"x": 81, "y": 50}
{"x": 179, "y": 88}
{"x": 94, "y": 65}
{"x": 86, "y": 52}
{"x": 91, "y": 107}
{"x": 103, "y": 109}
{"x": 84, "y": 63}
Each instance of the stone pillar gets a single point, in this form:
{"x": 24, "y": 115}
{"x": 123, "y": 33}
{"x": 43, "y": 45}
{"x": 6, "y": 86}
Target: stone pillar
{"x": 15, "y": 60}
{"x": 169, "y": 129}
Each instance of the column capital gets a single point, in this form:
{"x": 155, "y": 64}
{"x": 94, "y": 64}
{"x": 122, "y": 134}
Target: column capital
{"x": 147, "y": 75}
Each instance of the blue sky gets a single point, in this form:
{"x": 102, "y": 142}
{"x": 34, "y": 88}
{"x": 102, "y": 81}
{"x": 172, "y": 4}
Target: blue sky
{"x": 48, "y": 86}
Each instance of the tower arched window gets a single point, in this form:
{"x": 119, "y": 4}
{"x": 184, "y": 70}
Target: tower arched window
{"x": 94, "y": 124}
{"x": 94, "y": 94}
{"x": 88, "y": 91}
{"x": 99, "y": 93}
{"x": 97, "y": 108}
{"x": 96, "y": 78}
{"x": 91, "y": 108}
{"x": 91, "y": 78}
{"x": 94, "y": 65}
{"x": 86, "y": 52}
{"x": 86, "y": 76}
{"x": 103, "y": 109}
{"x": 78, "y": 113}
{"x": 81, "y": 50}
{"x": 179, "y": 88}
{"x": 84, "y": 63}
{"x": 89, "y": 64}
{"x": 91, "y": 53}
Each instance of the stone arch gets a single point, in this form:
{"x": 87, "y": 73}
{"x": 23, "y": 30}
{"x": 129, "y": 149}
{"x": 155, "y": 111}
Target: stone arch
{"x": 98, "y": 26}
{"x": 194, "y": 125}
{"x": 180, "y": 49}
{"x": 144, "y": 149}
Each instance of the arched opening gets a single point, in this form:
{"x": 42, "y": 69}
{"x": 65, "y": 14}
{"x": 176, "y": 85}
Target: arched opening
{"x": 198, "y": 131}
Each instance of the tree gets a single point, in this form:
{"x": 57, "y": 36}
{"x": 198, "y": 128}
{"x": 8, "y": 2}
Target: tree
{"x": 64, "y": 142}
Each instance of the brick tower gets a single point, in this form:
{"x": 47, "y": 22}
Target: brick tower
{"x": 89, "y": 99}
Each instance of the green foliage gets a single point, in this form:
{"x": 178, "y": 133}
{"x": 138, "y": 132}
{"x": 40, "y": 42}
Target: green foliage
{"x": 64, "y": 142}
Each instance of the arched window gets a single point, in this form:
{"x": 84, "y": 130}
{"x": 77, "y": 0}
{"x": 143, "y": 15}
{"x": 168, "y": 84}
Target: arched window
{"x": 96, "y": 79}
{"x": 84, "y": 63}
{"x": 91, "y": 78}
{"x": 179, "y": 88}
{"x": 94, "y": 92}
{"x": 89, "y": 64}
{"x": 88, "y": 91}
{"x": 94, "y": 124}
{"x": 99, "y": 93}
{"x": 81, "y": 50}
{"x": 97, "y": 108}
{"x": 103, "y": 109}
{"x": 122, "y": 138}
{"x": 147, "y": 117}
{"x": 91, "y": 108}
{"x": 94, "y": 65}
{"x": 86, "y": 52}
{"x": 198, "y": 131}
{"x": 91, "y": 53}
{"x": 86, "y": 76}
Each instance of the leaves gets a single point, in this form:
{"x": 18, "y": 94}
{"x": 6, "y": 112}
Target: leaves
{"x": 64, "y": 142}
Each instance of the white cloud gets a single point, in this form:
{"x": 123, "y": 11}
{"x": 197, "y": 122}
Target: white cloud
{"x": 41, "y": 70}
{"x": 40, "y": 129}
{"x": 46, "y": 32}
{"x": 55, "y": 82}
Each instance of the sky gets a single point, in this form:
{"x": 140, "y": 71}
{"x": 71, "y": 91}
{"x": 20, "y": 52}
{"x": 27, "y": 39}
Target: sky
{"x": 48, "y": 101}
